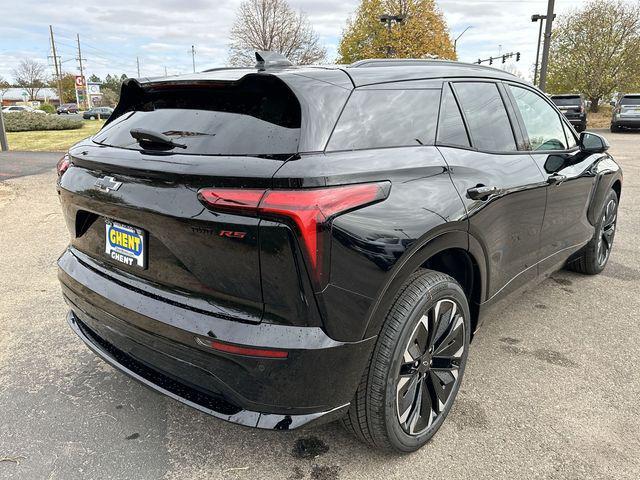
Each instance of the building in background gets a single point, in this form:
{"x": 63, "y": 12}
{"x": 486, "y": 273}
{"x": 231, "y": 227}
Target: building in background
{"x": 19, "y": 96}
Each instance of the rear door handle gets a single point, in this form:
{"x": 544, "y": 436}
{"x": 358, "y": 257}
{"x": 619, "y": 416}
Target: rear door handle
{"x": 556, "y": 179}
{"x": 481, "y": 192}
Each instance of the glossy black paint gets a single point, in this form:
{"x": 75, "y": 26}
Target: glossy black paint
{"x": 257, "y": 290}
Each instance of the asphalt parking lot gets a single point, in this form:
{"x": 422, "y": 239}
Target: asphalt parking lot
{"x": 551, "y": 388}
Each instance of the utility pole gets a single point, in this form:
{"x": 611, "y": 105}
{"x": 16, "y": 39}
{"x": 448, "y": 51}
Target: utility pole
{"x": 138, "y": 66}
{"x": 165, "y": 72}
{"x": 84, "y": 96}
{"x": 193, "y": 57}
{"x": 540, "y": 18}
{"x": 547, "y": 44}
{"x": 4, "y": 145}
{"x": 55, "y": 62}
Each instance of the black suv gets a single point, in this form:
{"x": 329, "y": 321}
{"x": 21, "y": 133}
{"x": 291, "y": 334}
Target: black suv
{"x": 280, "y": 246}
{"x": 574, "y": 107}
{"x": 626, "y": 112}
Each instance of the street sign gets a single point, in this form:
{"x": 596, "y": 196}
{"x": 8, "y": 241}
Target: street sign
{"x": 80, "y": 82}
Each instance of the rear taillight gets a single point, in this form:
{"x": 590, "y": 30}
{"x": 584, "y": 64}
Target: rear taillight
{"x": 63, "y": 165}
{"x": 581, "y": 109}
{"x": 310, "y": 209}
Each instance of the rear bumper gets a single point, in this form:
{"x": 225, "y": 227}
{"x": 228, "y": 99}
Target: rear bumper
{"x": 626, "y": 122}
{"x": 577, "y": 121}
{"x": 163, "y": 345}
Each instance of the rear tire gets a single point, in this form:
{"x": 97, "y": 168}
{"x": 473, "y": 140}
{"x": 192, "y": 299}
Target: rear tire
{"x": 592, "y": 259}
{"x": 615, "y": 128}
{"x": 416, "y": 367}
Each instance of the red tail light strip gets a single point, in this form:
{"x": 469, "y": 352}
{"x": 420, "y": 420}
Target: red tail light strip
{"x": 308, "y": 208}
{"x": 248, "y": 351}
{"x": 63, "y": 165}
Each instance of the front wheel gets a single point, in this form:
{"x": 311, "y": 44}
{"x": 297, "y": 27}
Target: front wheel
{"x": 416, "y": 367}
{"x": 594, "y": 256}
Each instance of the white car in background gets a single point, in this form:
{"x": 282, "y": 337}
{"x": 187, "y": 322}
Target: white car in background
{"x": 21, "y": 108}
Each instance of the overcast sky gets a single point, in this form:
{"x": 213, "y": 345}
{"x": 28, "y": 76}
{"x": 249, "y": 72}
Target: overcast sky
{"x": 160, "y": 32}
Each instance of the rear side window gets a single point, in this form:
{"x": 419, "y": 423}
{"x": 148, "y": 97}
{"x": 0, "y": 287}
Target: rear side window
{"x": 486, "y": 116}
{"x": 542, "y": 122}
{"x": 630, "y": 100}
{"x": 387, "y": 118}
{"x": 252, "y": 117}
{"x": 451, "y": 129}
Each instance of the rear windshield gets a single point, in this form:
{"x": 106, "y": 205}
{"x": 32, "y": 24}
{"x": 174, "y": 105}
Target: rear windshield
{"x": 630, "y": 100}
{"x": 566, "y": 101}
{"x": 251, "y": 117}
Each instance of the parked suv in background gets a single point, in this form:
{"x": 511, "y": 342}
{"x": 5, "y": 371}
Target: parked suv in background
{"x": 626, "y": 112}
{"x": 281, "y": 246}
{"x": 574, "y": 107}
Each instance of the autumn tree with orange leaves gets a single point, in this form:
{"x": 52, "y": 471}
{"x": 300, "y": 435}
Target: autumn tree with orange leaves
{"x": 422, "y": 34}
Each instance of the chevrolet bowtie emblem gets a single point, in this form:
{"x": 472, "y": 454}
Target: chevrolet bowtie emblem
{"x": 107, "y": 184}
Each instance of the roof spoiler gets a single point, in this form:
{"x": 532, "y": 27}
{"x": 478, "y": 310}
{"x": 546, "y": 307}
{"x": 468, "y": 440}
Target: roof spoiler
{"x": 265, "y": 59}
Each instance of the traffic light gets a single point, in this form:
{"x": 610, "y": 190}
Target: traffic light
{"x": 504, "y": 58}
{"x": 517, "y": 56}
{"x": 490, "y": 60}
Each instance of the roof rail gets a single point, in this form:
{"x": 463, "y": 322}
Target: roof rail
{"x": 392, "y": 62}
{"x": 397, "y": 62}
{"x": 265, "y": 59}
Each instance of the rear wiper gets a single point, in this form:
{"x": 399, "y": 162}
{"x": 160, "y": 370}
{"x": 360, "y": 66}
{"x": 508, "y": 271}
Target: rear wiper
{"x": 144, "y": 135}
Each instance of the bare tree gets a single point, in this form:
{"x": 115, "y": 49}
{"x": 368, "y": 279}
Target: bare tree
{"x": 31, "y": 76}
{"x": 4, "y": 88}
{"x": 273, "y": 25}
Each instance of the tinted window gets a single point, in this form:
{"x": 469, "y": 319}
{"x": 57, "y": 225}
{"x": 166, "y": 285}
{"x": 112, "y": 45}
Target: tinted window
{"x": 542, "y": 122}
{"x": 630, "y": 100}
{"x": 451, "y": 129}
{"x": 566, "y": 101}
{"x": 486, "y": 116}
{"x": 387, "y": 118}
{"x": 252, "y": 117}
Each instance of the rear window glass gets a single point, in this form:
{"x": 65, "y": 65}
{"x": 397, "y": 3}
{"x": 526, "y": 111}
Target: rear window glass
{"x": 486, "y": 116}
{"x": 252, "y": 117}
{"x": 630, "y": 100}
{"x": 566, "y": 101}
{"x": 387, "y": 118}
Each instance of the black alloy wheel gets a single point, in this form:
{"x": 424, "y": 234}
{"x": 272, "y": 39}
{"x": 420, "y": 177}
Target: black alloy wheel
{"x": 607, "y": 231}
{"x": 594, "y": 256}
{"x": 417, "y": 365}
{"x": 430, "y": 368}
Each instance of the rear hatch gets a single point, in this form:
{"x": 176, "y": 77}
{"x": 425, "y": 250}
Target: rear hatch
{"x": 569, "y": 104}
{"x": 630, "y": 106}
{"x": 132, "y": 205}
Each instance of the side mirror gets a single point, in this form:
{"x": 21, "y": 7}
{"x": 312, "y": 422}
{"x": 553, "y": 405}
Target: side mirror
{"x": 593, "y": 143}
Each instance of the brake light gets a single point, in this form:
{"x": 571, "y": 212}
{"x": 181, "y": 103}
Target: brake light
{"x": 310, "y": 209}
{"x": 248, "y": 351}
{"x": 63, "y": 165}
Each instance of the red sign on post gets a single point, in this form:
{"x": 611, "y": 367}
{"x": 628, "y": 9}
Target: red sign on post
{"x": 80, "y": 81}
